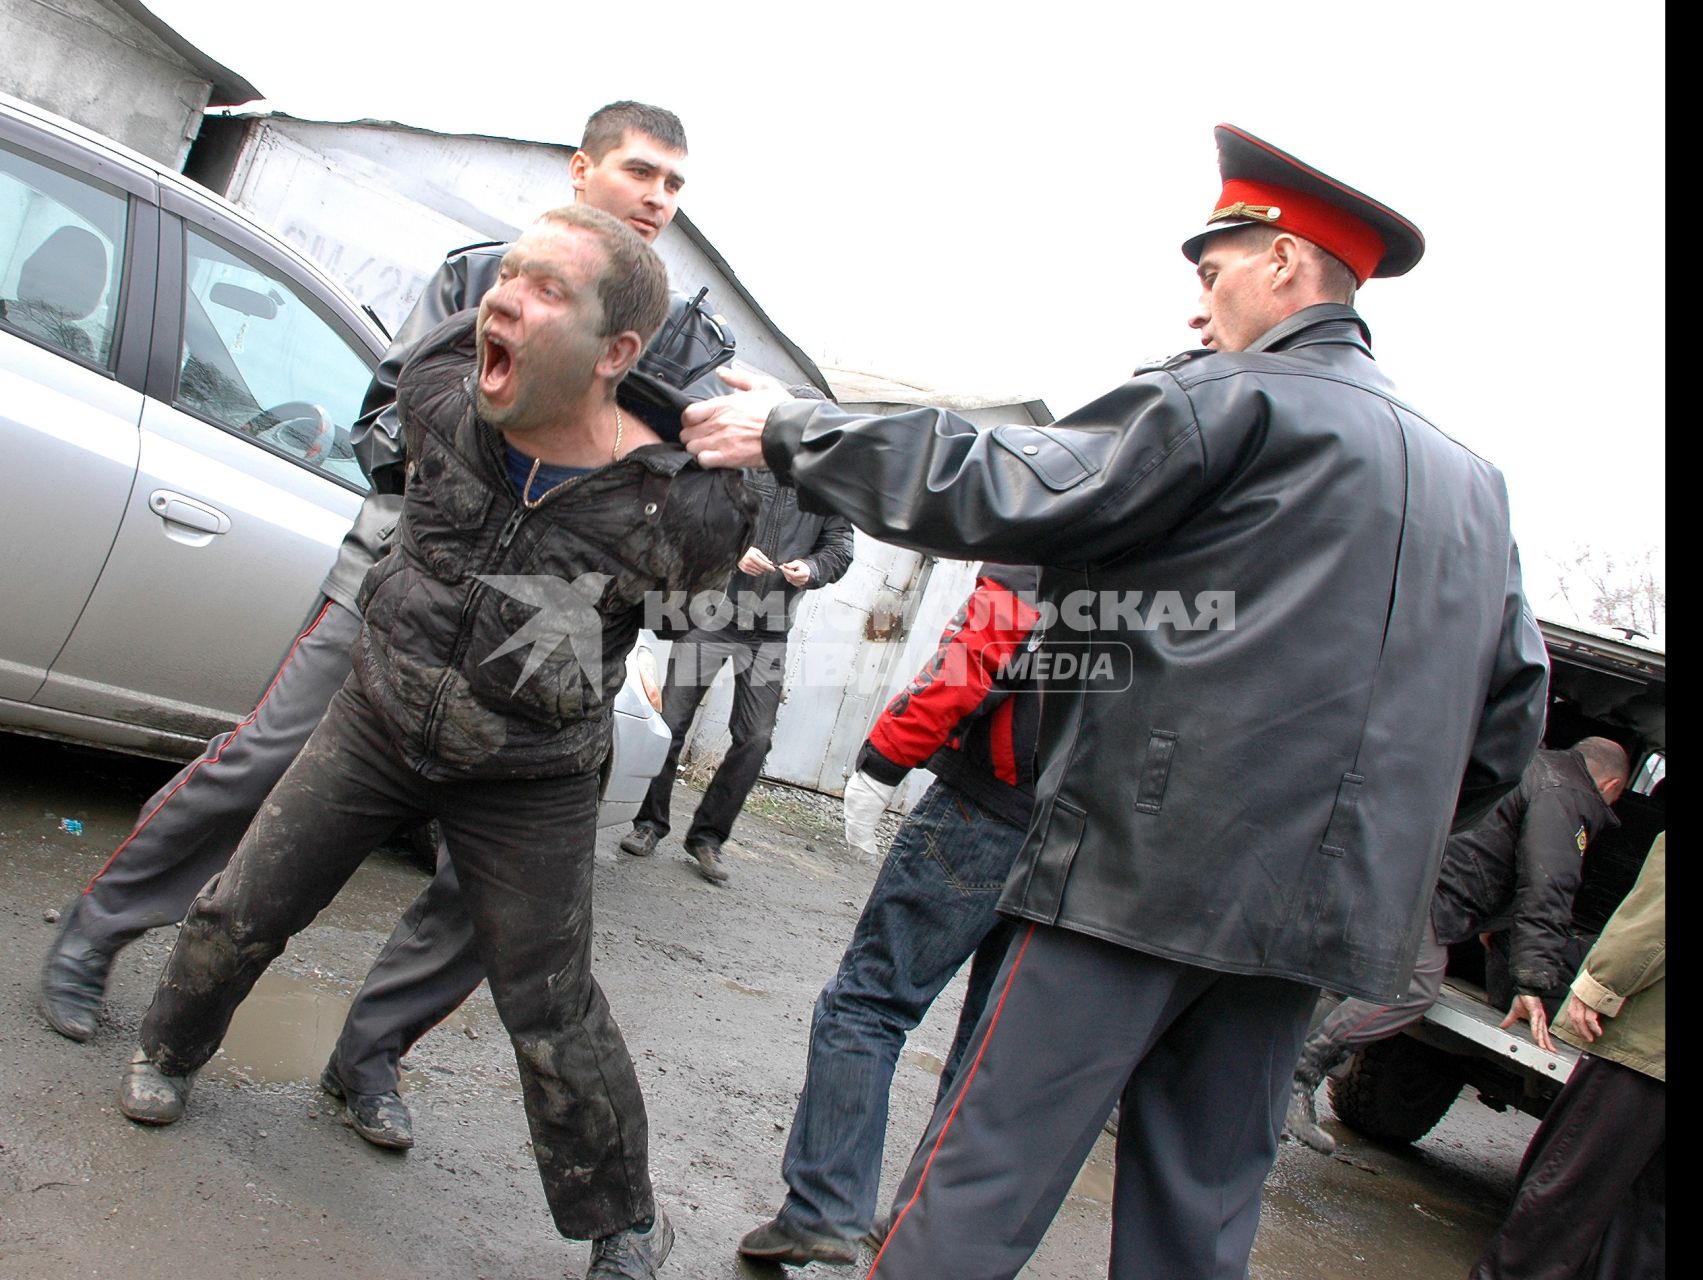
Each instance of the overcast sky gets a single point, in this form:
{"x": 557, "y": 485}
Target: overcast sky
{"x": 990, "y": 197}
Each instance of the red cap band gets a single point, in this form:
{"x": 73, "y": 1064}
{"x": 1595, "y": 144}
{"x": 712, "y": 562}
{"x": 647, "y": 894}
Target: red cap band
{"x": 1333, "y": 230}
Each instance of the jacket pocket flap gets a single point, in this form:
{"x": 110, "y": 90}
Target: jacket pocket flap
{"x": 1054, "y": 463}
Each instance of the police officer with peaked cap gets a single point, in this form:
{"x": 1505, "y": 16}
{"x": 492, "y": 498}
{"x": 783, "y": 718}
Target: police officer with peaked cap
{"x": 1259, "y": 809}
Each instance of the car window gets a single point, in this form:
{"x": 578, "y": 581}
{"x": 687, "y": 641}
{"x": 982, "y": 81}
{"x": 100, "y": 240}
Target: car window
{"x": 1650, "y": 774}
{"x": 61, "y": 257}
{"x": 259, "y": 359}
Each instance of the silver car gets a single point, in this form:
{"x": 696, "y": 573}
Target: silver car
{"x": 176, "y": 389}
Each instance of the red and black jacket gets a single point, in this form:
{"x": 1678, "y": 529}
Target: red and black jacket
{"x": 968, "y": 715}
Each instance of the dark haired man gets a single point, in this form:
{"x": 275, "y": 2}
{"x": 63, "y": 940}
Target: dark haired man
{"x": 470, "y": 704}
{"x": 631, "y": 166}
{"x": 1261, "y": 808}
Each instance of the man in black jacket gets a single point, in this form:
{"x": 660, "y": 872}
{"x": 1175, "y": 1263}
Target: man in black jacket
{"x": 494, "y": 636}
{"x": 1318, "y": 660}
{"x": 1518, "y": 870}
{"x": 631, "y": 165}
{"x": 791, "y": 551}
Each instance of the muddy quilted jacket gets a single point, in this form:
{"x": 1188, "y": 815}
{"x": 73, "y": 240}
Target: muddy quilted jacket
{"x": 495, "y": 636}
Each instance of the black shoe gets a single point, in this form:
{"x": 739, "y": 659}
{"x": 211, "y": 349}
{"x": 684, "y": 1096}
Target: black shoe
{"x": 710, "y": 865}
{"x": 879, "y": 1230}
{"x": 1302, "y": 1122}
{"x": 383, "y": 1119}
{"x": 781, "y": 1241}
{"x": 73, "y": 980}
{"x": 632, "y": 1254}
{"x": 640, "y": 841}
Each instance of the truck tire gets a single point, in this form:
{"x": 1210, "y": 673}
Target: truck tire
{"x": 1396, "y": 1090}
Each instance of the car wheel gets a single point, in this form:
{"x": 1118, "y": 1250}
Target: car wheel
{"x": 1396, "y": 1090}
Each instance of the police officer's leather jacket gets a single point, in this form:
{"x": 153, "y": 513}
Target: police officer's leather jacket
{"x": 1520, "y": 868}
{"x": 1260, "y": 782}
{"x": 494, "y": 635}
{"x": 678, "y": 365}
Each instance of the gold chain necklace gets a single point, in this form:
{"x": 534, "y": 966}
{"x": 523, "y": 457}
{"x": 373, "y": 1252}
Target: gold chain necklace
{"x": 614, "y": 456}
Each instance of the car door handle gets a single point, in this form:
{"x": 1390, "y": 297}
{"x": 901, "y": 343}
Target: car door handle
{"x": 175, "y": 508}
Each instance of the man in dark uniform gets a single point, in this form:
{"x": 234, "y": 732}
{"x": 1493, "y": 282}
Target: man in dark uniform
{"x": 1517, "y": 870}
{"x": 1255, "y": 803}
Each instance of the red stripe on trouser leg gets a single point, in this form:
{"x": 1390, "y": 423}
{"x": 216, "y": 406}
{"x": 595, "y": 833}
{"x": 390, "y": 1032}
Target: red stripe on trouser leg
{"x": 969, "y": 1079}
{"x": 238, "y": 728}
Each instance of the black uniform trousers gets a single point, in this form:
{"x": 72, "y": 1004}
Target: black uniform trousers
{"x": 1592, "y": 1194}
{"x": 188, "y": 829}
{"x": 1201, "y": 1063}
{"x": 523, "y": 851}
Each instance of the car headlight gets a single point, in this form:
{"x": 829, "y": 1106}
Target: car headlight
{"x": 644, "y": 662}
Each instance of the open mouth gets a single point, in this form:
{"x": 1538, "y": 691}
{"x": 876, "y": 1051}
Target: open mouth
{"x": 496, "y": 369}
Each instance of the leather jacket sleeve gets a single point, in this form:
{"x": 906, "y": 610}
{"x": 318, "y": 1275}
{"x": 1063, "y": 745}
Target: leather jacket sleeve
{"x": 456, "y": 285}
{"x": 1116, "y": 473}
{"x": 1512, "y": 725}
{"x": 832, "y": 555}
{"x": 1548, "y": 863}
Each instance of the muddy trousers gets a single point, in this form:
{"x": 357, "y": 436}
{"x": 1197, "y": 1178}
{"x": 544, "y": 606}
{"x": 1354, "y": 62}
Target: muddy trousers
{"x": 429, "y": 965}
{"x": 1354, "y": 1024}
{"x": 933, "y": 906}
{"x": 759, "y": 671}
{"x": 1592, "y": 1194}
{"x": 188, "y": 829}
{"x": 523, "y": 852}
{"x": 1200, "y": 1062}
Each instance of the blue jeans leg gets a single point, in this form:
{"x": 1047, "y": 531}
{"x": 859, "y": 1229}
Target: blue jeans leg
{"x": 931, "y": 908}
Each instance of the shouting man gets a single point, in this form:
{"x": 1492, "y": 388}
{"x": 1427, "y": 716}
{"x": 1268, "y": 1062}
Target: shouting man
{"x": 538, "y": 515}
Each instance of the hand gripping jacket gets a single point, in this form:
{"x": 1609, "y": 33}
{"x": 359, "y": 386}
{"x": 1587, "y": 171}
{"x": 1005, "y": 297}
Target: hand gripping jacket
{"x": 677, "y": 368}
{"x": 495, "y": 636}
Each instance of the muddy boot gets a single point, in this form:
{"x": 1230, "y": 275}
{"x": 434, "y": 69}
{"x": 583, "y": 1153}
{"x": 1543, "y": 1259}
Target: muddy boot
{"x": 632, "y": 1254}
{"x": 1301, "y": 1122}
{"x": 149, "y": 1096}
{"x": 383, "y": 1119}
{"x": 73, "y": 980}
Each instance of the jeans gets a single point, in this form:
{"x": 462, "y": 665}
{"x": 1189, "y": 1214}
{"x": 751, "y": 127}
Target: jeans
{"x": 759, "y": 669}
{"x": 931, "y": 909}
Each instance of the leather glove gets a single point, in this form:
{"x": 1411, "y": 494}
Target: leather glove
{"x": 866, "y": 801}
